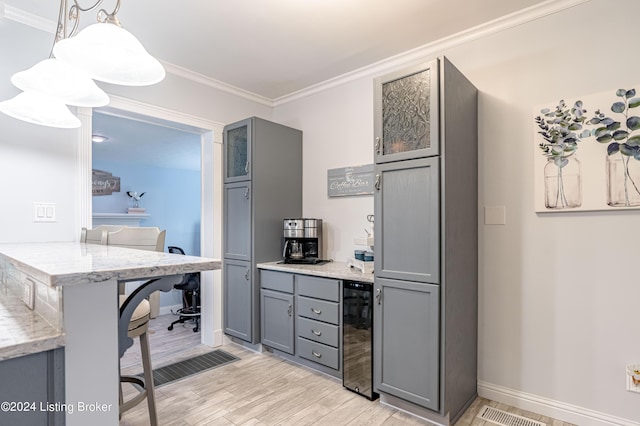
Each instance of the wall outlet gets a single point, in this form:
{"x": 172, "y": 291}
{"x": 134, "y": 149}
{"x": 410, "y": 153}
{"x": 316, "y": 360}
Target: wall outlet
{"x": 633, "y": 380}
{"x": 29, "y": 293}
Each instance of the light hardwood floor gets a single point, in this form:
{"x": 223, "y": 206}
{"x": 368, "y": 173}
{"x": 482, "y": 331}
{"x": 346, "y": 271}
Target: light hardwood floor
{"x": 262, "y": 389}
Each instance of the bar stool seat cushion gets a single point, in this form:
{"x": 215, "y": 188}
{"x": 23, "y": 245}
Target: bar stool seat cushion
{"x": 141, "y": 314}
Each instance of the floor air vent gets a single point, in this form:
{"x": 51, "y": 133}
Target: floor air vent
{"x": 503, "y": 418}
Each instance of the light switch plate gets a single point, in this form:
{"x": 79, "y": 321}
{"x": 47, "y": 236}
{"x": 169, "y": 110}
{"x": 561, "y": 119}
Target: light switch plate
{"x": 44, "y": 212}
{"x": 29, "y": 293}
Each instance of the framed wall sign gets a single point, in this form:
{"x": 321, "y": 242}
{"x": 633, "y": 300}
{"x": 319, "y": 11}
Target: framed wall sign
{"x": 104, "y": 183}
{"x": 350, "y": 181}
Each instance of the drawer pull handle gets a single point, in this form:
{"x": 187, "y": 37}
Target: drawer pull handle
{"x": 290, "y": 310}
{"x": 316, "y": 311}
{"x": 316, "y": 354}
{"x": 317, "y": 333}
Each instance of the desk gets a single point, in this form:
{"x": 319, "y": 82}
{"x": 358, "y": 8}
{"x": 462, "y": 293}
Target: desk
{"x": 85, "y": 277}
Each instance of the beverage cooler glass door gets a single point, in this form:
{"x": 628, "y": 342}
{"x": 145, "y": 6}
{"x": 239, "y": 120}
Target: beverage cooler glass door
{"x": 357, "y": 332}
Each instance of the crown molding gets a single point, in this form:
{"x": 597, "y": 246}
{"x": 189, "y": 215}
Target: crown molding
{"x": 216, "y": 84}
{"x": 435, "y": 48}
{"x": 15, "y": 14}
{"x": 515, "y": 19}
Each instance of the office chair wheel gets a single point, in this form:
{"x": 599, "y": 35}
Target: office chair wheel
{"x": 170, "y": 327}
{"x": 195, "y": 329}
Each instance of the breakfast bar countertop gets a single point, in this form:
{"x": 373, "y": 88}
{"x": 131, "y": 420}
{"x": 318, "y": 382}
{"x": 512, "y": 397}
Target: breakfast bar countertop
{"x": 71, "y": 263}
{"x": 338, "y": 270}
{"x": 54, "y": 265}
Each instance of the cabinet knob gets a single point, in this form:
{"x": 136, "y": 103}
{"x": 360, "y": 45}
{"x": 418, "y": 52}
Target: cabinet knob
{"x": 290, "y": 310}
{"x": 377, "y": 182}
{"x": 379, "y": 296}
{"x": 246, "y": 193}
{"x": 246, "y": 167}
{"x": 378, "y": 145}
{"x": 246, "y": 275}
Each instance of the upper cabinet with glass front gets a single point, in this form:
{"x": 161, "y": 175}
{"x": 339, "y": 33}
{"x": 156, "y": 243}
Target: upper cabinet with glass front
{"x": 237, "y": 151}
{"x": 406, "y": 114}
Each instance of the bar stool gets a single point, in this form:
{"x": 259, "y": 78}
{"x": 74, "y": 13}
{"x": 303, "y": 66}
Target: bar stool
{"x": 138, "y": 327}
{"x": 141, "y": 239}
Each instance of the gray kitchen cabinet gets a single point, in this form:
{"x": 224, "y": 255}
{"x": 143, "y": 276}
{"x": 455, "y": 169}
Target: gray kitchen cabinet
{"x": 237, "y": 211}
{"x": 426, "y": 233}
{"x": 277, "y": 320}
{"x": 314, "y": 303}
{"x": 33, "y": 384}
{"x": 238, "y": 300}
{"x": 407, "y": 212}
{"x": 406, "y": 114}
{"x": 409, "y": 360}
{"x": 262, "y": 171}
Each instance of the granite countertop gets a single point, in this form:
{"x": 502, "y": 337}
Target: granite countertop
{"x": 338, "y": 270}
{"x": 23, "y": 330}
{"x": 54, "y": 265}
{"x": 70, "y": 263}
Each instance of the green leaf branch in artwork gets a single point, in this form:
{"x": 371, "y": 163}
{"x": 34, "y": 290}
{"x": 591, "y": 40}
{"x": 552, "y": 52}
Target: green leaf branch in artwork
{"x": 561, "y": 130}
{"x": 621, "y": 132}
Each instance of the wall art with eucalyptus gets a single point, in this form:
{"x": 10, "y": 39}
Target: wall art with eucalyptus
{"x": 588, "y": 153}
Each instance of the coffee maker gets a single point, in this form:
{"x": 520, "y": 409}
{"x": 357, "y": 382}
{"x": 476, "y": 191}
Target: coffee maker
{"x": 302, "y": 241}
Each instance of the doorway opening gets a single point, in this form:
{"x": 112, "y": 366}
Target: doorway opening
{"x": 210, "y": 134}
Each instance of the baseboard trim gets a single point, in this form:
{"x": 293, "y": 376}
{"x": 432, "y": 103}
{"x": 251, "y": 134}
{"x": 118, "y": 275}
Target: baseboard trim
{"x": 549, "y": 407}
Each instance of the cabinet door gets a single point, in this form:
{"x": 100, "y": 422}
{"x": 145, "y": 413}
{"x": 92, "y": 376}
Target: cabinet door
{"x": 406, "y": 341}
{"x": 237, "y": 221}
{"x": 407, "y": 211}
{"x": 237, "y": 139}
{"x": 276, "y": 322}
{"x": 406, "y": 114}
{"x": 237, "y": 299}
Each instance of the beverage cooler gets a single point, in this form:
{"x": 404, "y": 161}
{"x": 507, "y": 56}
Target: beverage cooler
{"x": 357, "y": 335}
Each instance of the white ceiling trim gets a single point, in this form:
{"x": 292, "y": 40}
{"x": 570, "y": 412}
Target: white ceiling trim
{"x": 216, "y": 84}
{"x": 23, "y": 17}
{"x": 432, "y": 49}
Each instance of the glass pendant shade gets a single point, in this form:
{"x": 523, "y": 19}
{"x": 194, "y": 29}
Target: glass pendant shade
{"x": 56, "y": 79}
{"x": 111, "y": 54}
{"x": 38, "y": 109}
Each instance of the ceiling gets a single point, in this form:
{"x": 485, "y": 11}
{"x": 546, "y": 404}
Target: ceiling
{"x": 278, "y": 47}
{"x": 267, "y": 49}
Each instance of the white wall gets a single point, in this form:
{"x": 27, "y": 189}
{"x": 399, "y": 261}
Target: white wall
{"x": 559, "y": 295}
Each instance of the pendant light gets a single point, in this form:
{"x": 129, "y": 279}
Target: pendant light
{"x": 39, "y": 109}
{"x": 59, "y": 80}
{"x": 103, "y": 51}
{"x": 111, "y": 54}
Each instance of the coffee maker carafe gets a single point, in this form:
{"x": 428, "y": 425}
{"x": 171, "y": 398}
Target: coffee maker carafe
{"x": 302, "y": 241}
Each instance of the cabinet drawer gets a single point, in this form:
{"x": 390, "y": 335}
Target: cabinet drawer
{"x": 317, "y": 352}
{"x": 279, "y": 281}
{"x": 321, "y": 288}
{"x": 320, "y": 310}
{"x": 318, "y": 331}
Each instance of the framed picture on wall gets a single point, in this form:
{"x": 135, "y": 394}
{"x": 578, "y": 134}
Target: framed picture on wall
{"x": 587, "y": 153}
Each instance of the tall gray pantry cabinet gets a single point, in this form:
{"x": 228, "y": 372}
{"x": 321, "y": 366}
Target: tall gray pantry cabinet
{"x": 426, "y": 251}
{"x": 262, "y": 186}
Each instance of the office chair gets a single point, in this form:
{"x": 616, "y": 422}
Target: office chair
{"x": 190, "y": 287}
